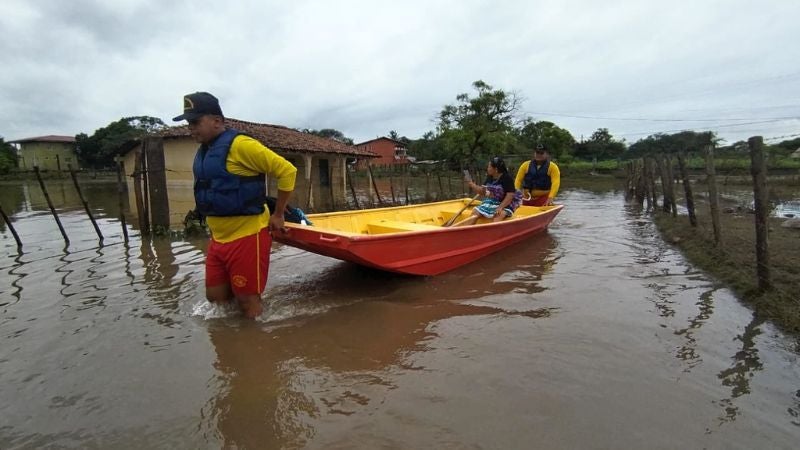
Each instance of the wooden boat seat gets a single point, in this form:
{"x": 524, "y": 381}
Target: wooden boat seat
{"x": 393, "y": 226}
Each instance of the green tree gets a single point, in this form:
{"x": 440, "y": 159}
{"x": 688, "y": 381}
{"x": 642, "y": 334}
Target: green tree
{"x": 601, "y": 145}
{"x": 330, "y": 133}
{"x": 558, "y": 140}
{"x": 477, "y": 127}
{"x": 98, "y": 150}
{"x": 427, "y": 147}
{"x": 8, "y": 157}
{"x": 689, "y": 141}
{"x": 790, "y": 146}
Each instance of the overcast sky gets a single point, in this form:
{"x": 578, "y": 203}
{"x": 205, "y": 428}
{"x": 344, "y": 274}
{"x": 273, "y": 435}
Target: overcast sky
{"x": 367, "y": 67}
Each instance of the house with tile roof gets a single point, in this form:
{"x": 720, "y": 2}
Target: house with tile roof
{"x": 389, "y": 151}
{"x": 47, "y": 152}
{"x": 321, "y": 164}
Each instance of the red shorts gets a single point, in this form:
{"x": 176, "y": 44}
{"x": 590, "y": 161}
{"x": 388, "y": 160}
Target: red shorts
{"x": 243, "y": 263}
{"x": 536, "y": 201}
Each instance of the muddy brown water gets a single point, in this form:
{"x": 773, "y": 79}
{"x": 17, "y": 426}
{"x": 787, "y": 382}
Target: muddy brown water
{"x": 594, "y": 334}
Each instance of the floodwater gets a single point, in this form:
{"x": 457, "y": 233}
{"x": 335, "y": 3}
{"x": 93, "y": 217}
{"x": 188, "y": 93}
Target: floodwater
{"x": 594, "y": 334}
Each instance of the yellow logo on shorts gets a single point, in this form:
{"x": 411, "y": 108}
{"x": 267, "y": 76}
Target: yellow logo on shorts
{"x": 239, "y": 280}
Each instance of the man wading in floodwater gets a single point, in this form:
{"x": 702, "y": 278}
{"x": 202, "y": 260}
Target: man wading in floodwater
{"x": 230, "y": 191}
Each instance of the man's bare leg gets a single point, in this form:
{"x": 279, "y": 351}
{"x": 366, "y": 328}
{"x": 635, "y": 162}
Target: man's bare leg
{"x": 251, "y": 305}
{"x": 219, "y": 294}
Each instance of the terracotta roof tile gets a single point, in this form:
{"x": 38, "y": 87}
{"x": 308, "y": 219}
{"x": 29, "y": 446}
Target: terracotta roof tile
{"x": 279, "y": 137}
{"x": 48, "y": 138}
{"x": 381, "y": 138}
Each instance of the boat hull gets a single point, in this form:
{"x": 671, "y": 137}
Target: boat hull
{"x": 431, "y": 251}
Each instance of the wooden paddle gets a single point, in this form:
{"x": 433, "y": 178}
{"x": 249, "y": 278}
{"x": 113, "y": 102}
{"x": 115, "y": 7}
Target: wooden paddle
{"x": 458, "y": 214}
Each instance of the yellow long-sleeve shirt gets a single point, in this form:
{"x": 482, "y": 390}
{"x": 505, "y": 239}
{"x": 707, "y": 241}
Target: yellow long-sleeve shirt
{"x": 552, "y": 172}
{"x": 248, "y": 157}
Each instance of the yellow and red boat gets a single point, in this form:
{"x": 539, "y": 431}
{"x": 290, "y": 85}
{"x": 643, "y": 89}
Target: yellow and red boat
{"x": 412, "y": 239}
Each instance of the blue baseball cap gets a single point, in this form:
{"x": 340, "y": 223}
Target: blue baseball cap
{"x": 198, "y": 105}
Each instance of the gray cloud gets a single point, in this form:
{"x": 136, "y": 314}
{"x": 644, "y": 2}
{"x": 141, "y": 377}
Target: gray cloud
{"x": 367, "y": 67}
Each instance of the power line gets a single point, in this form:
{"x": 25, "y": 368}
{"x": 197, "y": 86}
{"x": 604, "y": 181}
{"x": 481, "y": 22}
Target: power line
{"x": 705, "y": 128}
{"x": 659, "y": 120}
{"x": 689, "y": 93}
{"x": 785, "y": 136}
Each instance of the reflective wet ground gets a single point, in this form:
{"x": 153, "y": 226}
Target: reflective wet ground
{"x": 595, "y": 334}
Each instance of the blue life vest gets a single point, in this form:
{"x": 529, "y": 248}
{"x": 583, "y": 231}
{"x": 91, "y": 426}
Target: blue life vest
{"x": 218, "y": 192}
{"x": 537, "y": 178}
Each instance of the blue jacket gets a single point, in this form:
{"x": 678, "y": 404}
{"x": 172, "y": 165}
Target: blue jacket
{"x": 218, "y": 192}
{"x": 537, "y": 178}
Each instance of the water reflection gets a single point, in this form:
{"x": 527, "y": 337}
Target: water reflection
{"x": 688, "y": 352}
{"x": 675, "y": 285}
{"x": 746, "y": 362}
{"x": 171, "y": 272}
{"x": 781, "y": 203}
{"x": 14, "y": 287}
{"x": 337, "y": 338}
{"x": 789, "y": 208}
{"x": 517, "y": 269}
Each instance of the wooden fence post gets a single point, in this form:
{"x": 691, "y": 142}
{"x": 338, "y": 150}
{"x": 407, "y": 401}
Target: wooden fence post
{"x": 352, "y": 188}
{"x": 427, "y": 186}
{"x": 687, "y": 188}
{"x": 374, "y": 185}
{"x": 144, "y": 216}
{"x": 146, "y": 184}
{"x": 330, "y": 185}
{"x": 391, "y": 187}
{"x": 50, "y": 204}
{"x": 449, "y": 186}
{"x": 120, "y": 193}
{"x": 651, "y": 183}
{"x": 85, "y": 203}
{"x": 157, "y": 184}
{"x": 759, "y": 173}
{"x": 310, "y": 196}
{"x": 646, "y": 183}
{"x": 628, "y": 180}
{"x": 641, "y": 182}
{"x": 671, "y": 186}
{"x": 713, "y": 195}
{"x": 11, "y": 227}
{"x": 664, "y": 183}
{"x": 406, "y": 178}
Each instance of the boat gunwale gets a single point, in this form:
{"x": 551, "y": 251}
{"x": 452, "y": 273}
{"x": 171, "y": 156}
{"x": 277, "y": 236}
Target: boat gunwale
{"x": 354, "y": 237}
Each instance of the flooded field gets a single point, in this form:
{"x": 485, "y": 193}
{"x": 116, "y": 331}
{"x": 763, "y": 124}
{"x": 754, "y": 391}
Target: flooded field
{"x": 595, "y": 334}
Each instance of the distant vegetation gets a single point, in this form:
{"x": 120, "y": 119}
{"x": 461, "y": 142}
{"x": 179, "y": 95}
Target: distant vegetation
{"x": 98, "y": 150}
{"x": 330, "y": 133}
{"x": 8, "y": 157}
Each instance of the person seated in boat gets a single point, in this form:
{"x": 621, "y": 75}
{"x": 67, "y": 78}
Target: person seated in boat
{"x": 539, "y": 179}
{"x": 501, "y": 198}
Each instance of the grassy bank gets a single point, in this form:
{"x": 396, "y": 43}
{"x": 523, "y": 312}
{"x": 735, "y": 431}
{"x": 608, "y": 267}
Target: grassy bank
{"x": 734, "y": 261}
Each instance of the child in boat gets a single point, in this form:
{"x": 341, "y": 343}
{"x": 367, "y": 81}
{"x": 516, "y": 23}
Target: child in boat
{"x": 502, "y": 199}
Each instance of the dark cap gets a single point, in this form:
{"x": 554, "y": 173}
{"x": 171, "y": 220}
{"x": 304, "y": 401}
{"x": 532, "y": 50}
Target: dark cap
{"x": 198, "y": 105}
{"x": 541, "y": 148}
